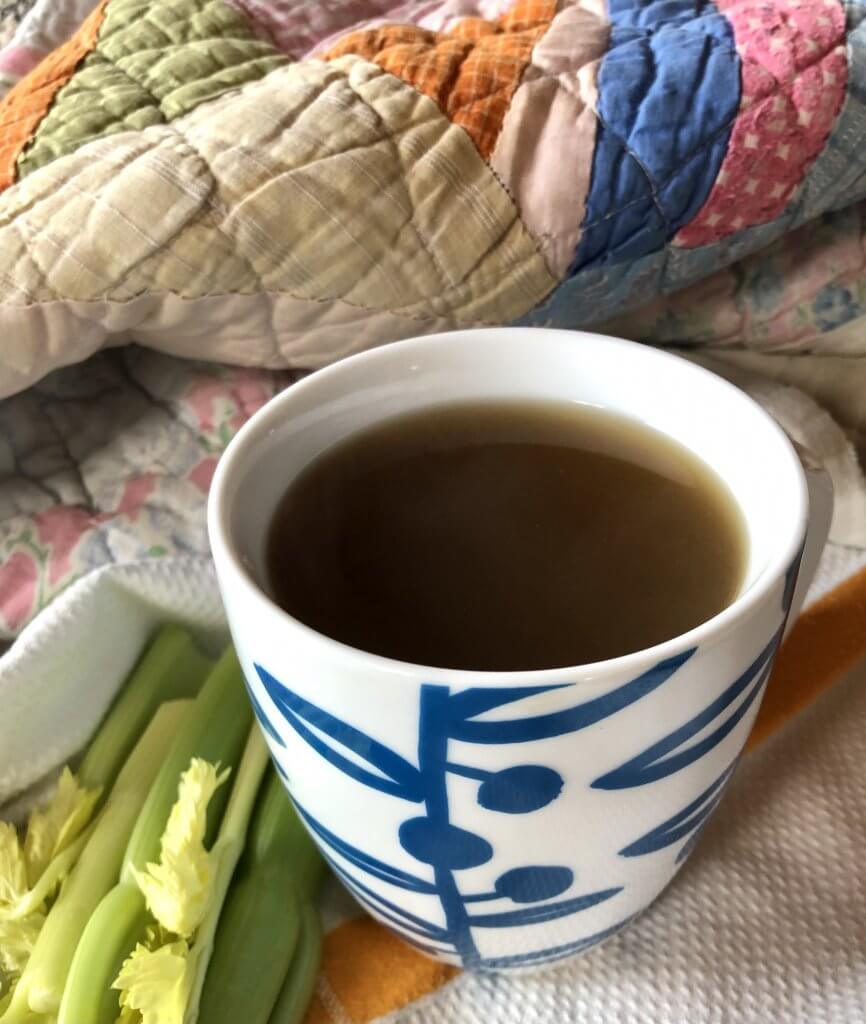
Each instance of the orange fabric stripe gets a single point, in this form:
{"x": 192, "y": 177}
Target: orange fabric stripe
{"x": 367, "y": 972}
{"x": 828, "y": 639}
{"x": 24, "y": 106}
{"x": 471, "y": 72}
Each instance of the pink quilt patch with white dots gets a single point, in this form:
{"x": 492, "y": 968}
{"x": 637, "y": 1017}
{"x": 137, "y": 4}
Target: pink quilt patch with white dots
{"x": 794, "y": 76}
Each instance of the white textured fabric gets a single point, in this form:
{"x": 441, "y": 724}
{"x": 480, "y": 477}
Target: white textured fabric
{"x": 838, "y": 562}
{"x": 765, "y": 923}
{"x": 30, "y": 29}
{"x": 61, "y": 674}
{"x": 810, "y": 425}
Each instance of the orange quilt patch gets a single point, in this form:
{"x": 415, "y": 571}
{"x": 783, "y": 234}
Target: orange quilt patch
{"x": 471, "y": 71}
{"x": 28, "y": 102}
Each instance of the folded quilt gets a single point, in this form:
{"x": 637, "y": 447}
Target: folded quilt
{"x": 279, "y": 184}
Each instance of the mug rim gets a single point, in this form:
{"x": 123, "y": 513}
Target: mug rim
{"x": 272, "y": 413}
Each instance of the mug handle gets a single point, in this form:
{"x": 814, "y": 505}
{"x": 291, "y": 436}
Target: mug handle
{"x": 818, "y": 529}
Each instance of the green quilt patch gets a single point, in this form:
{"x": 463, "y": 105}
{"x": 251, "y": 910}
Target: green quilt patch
{"x": 153, "y": 62}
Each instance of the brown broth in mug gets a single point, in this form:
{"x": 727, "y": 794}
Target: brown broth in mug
{"x": 506, "y": 535}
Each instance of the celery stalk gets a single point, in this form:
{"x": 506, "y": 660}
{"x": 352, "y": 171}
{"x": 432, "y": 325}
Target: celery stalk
{"x": 171, "y": 668}
{"x": 258, "y": 929}
{"x": 98, "y": 868}
{"x": 300, "y": 982}
{"x": 227, "y": 851}
{"x": 255, "y": 942}
{"x": 113, "y": 930}
{"x": 163, "y": 983}
{"x": 59, "y": 830}
{"x": 277, "y": 833}
{"x": 215, "y": 729}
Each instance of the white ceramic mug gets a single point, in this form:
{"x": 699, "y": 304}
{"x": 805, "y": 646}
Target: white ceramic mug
{"x": 504, "y": 820}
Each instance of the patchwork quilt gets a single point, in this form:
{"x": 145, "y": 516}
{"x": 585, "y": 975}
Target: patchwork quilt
{"x": 263, "y": 185}
{"x": 278, "y": 183}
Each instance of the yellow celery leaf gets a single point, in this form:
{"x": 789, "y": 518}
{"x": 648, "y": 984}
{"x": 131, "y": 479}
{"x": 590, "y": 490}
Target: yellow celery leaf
{"x": 13, "y": 866}
{"x": 32, "y": 900}
{"x": 187, "y": 821}
{"x": 154, "y": 937}
{"x": 17, "y": 939}
{"x": 178, "y": 888}
{"x": 53, "y": 827}
{"x": 154, "y": 984}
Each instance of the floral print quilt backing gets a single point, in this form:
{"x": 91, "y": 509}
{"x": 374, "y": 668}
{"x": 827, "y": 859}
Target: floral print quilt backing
{"x": 110, "y": 461}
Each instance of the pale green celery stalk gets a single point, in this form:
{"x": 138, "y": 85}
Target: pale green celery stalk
{"x": 215, "y": 729}
{"x": 255, "y": 942}
{"x": 258, "y": 929}
{"x": 226, "y": 852}
{"x": 40, "y": 989}
{"x": 279, "y": 833}
{"x": 171, "y": 668}
{"x": 297, "y": 991}
{"x": 117, "y": 924}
